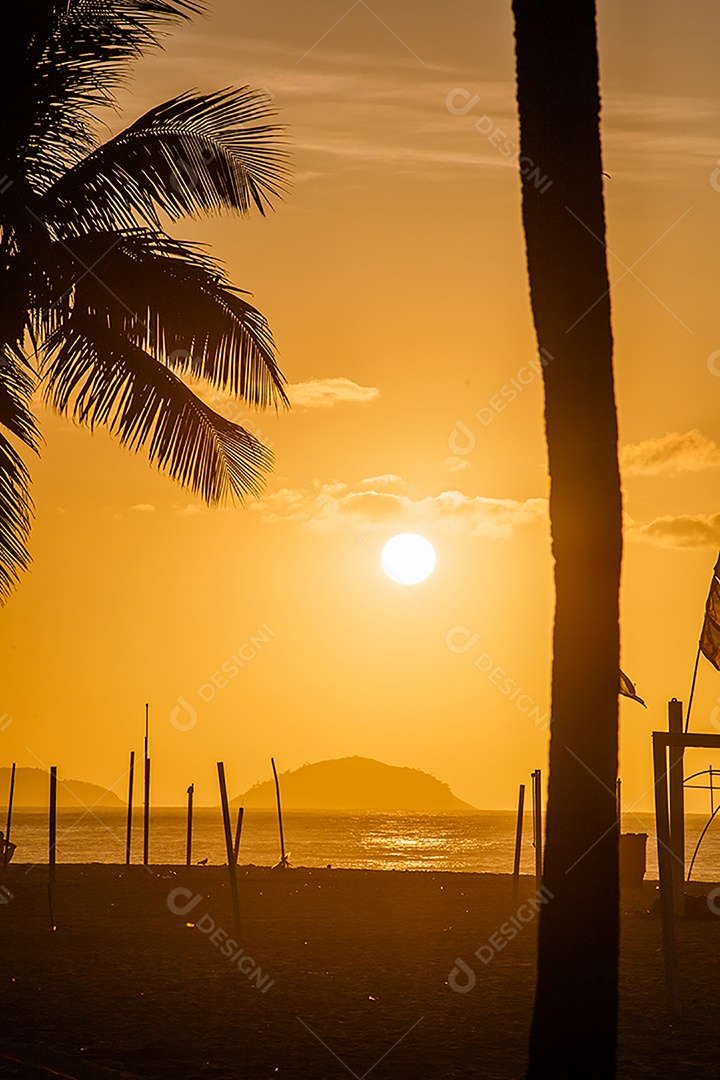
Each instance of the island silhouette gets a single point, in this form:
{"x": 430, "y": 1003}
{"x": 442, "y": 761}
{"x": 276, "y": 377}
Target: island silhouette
{"x": 354, "y": 783}
{"x": 32, "y": 788}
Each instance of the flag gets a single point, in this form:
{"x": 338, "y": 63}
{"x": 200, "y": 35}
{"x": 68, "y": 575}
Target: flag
{"x": 710, "y": 637}
{"x": 627, "y": 689}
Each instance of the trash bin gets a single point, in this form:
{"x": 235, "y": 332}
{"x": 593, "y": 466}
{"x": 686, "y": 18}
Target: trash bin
{"x": 632, "y": 859}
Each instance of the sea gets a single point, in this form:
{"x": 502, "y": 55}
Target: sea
{"x": 482, "y": 842}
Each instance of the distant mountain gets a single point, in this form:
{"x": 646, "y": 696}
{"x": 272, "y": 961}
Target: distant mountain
{"x": 354, "y": 783}
{"x": 32, "y": 788}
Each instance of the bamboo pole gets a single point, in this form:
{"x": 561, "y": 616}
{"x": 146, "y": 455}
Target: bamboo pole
{"x": 283, "y": 856}
{"x": 518, "y": 837}
{"x": 232, "y": 869}
{"x": 146, "y": 813}
{"x": 238, "y": 832}
{"x": 11, "y": 796}
{"x": 188, "y": 846}
{"x": 128, "y": 833}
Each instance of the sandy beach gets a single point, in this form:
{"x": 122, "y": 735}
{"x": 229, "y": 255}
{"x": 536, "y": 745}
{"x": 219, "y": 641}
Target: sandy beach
{"x": 342, "y": 972}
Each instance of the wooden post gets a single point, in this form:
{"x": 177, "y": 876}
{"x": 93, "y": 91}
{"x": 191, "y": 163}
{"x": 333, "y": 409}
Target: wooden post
{"x": 53, "y": 820}
{"x": 537, "y": 824}
{"x": 188, "y": 846}
{"x": 238, "y": 832}
{"x": 11, "y": 796}
{"x": 677, "y": 806}
{"x": 128, "y": 832}
{"x": 712, "y": 796}
{"x": 283, "y": 856}
{"x": 667, "y": 905}
{"x": 146, "y": 814}
{"x": 518, "y": 838}
{"x": 232, "y": 869}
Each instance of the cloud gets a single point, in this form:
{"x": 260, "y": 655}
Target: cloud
{"x": 326, "y": 393}
{"x": 327, "y": 505}
{"x": 456, "y": 464}
{"x": 143, "y": 508}
{"x": 684, "y": 531}
{"x": 387, "y": 480}
{"x": 671, "y": 454}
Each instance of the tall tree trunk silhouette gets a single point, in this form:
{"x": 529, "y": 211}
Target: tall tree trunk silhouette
{"x": 574, "y": 1027}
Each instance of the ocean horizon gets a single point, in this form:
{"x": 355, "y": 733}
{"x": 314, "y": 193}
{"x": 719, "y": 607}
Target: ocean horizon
{"x": 480, "y": 842}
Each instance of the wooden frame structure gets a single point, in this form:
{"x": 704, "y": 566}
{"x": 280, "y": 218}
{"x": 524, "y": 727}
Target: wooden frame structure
{"x": 669, "y": 818}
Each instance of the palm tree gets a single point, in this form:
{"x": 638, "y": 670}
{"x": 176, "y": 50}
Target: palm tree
{"x": 98, "y": 304}
{"x": 575, "y": 1017}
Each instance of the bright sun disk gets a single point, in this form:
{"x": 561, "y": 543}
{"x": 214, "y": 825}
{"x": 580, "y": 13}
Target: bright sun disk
{"x": 408, "y": 558}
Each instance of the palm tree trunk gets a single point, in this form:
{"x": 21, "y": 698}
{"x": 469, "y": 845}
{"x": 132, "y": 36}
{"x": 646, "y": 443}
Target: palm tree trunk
{"x": 574, "y": 1028}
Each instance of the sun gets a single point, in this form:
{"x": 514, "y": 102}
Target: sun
{"x": 408, "y": 558}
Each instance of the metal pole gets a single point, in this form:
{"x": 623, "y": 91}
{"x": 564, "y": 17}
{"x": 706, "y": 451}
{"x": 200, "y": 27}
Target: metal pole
{"x": 146, "y": 814}
{"x": 692, "y": 688}
{"x": 618, "y": 803}
{"x": 518, "y": 836}
{"x": 128, "y": 834}
{"x": 283, "y": 858}
{"x": 188, "y": 848}
{"x": 232, "y": 869}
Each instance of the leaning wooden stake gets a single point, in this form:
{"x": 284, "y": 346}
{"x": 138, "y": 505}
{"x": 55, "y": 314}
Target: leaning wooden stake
{"x": 128, "y": 833}
{"x": 283, "y": 856}
{"x": 188, "y": 846}
{"x": 232, "y": 869}
{"x": 11, "y": 796}
{"x": 518, "y": 837}
{"x": 238, "y": 832}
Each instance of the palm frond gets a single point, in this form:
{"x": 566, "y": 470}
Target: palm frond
{"x": 15, "y": 501}
{"x": 99, "y": 377}
{"x": 196, "y": 152}
{"x": 174, "y": 301}
{"x": 60, "y": 60}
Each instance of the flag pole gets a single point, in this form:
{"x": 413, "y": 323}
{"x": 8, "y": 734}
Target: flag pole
{"x": 692, "y": 688}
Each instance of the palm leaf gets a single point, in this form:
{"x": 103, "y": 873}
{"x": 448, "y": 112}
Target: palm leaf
{"x": 102, "y": 378}
{"x": 196, "y": 152}
{"x": 15, "y": 502}
{"x": 174, "y": 301}
{"x": 59, "y": 62}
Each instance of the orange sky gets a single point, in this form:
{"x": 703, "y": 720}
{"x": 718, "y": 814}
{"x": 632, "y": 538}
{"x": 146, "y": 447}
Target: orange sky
{"x": 393, "y": 277}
